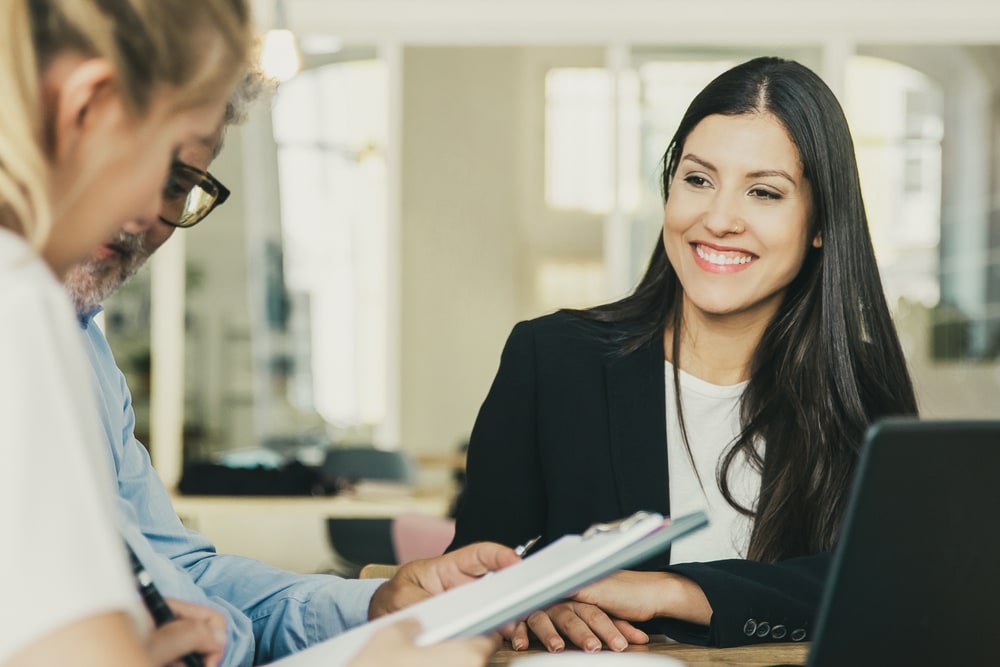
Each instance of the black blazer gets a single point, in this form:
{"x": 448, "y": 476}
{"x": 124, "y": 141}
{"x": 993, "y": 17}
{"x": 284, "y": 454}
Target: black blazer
{"x": 573, "y": 432}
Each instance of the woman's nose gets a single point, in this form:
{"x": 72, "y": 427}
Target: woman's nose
{"x": 723, "y": 215}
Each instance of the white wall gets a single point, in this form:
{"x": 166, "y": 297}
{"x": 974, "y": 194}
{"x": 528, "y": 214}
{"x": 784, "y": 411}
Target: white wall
{"x": 438, "y": 22}
{"x": 460, "y": 260}
{"x": 475, "y": 229}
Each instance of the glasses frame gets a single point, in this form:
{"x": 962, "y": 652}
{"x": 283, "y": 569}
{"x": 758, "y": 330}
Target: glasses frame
{"x": 204, "y": 179}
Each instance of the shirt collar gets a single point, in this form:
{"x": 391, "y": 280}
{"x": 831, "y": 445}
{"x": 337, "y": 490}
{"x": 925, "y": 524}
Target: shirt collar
{"x": 88, "y": 316}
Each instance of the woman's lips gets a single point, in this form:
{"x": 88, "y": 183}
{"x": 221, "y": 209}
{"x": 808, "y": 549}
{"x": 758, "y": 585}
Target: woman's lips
{"x": 716, "y": 259}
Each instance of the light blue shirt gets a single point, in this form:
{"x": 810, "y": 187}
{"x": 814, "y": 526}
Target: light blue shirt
{"x": 271, "y": 612}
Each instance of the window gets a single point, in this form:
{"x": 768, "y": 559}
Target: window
{"x": 925, "y": 156}
{"x": 896, "y": 119}
{"x": 330, "y": 335}
{"x": 580, "y": 150}
{"x": 579, "y": 147}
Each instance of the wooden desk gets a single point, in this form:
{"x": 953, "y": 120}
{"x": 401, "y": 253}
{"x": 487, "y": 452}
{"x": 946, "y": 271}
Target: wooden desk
{"x": 760, "y": 655}
{"x": 290, "y": 532}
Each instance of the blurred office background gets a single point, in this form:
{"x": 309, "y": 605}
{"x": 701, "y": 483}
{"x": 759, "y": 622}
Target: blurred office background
{"x": 437, "y": 170}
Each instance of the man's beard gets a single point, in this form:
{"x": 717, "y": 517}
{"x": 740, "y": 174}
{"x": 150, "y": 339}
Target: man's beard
{"x": 94, "y": 280}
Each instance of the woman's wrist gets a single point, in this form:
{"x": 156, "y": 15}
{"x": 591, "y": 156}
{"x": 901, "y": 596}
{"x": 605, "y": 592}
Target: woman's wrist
{"x": 681, "y": 598}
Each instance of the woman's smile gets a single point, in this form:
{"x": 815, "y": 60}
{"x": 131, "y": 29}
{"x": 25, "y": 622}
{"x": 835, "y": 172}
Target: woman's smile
{"x": 719, "y": 259}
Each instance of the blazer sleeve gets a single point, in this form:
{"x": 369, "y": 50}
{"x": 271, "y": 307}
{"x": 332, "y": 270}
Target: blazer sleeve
{"x": 504, "y": 497}
{"x": 752, "y": 602}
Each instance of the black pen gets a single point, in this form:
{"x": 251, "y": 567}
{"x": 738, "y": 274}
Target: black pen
{"x": 155, "y": 603}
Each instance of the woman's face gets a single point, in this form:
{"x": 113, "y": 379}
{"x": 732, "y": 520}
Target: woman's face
{"x": 108, "y": 173}
{"x": 736, "y": 223}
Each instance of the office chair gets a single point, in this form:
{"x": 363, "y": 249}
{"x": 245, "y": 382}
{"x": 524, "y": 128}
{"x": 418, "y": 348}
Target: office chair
{"x": 357, "y": 542}
{"x": 351, "y": 464}
{"x": 415, "y": 536}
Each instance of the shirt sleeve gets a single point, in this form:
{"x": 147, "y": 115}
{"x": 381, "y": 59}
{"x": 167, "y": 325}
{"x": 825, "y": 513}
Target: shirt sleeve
{"x": 272, "y": 612}
{"x": 62, "y": 559}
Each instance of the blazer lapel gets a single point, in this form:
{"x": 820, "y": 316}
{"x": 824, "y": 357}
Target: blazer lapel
{"x": 637, "y": 423}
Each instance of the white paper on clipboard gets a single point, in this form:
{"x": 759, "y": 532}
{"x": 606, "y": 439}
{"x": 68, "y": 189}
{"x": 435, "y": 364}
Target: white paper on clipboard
{"x": 549, "y": 575}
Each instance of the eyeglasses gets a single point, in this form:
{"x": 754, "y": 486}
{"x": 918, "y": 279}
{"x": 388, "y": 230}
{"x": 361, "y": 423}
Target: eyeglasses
{"x": 189, "y": 195}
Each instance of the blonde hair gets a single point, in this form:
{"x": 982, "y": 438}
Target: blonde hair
{"x": 198, "y": 48}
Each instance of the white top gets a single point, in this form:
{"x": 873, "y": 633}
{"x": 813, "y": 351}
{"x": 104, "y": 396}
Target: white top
{"x": 712, "y": 418}
{"x": 61, "y": 558}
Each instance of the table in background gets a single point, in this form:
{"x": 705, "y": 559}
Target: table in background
{"x": 290, "y": 531}
{"x": 759, "y": 655}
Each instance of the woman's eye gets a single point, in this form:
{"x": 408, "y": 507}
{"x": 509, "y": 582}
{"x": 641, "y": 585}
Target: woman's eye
{"x": 761, "y": 193}
{"x": 696, "y": 181}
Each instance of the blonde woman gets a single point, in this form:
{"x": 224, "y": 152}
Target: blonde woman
{"x": 99, "y": 97}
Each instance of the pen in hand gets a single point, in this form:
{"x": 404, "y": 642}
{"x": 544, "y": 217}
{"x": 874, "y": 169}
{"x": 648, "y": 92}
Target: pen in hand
{"x": 155, "y": 603}
{"x": 520, "y": 550}
{"x": 523, "y": 549}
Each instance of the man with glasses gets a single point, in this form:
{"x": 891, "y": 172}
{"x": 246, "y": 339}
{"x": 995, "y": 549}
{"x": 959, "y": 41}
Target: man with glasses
{"x": 190, "y": 194}
{"x": 271, "y": 612}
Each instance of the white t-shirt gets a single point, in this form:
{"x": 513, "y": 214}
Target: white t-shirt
{"x": 712, "y": 419}
{"x": 61, "y": 559}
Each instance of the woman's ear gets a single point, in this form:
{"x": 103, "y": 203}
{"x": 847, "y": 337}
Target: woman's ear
{"x": 79, "y": 90}
{"x": 817, "y": 241}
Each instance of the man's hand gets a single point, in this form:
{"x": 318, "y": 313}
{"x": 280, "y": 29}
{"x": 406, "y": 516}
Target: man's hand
{"x": 421, "y": 579}
{"x": 394, "y": 645}
{"x": 197, "y": 629}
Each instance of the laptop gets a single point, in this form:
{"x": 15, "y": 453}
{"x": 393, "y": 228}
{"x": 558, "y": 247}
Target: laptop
{"x": 915, "y": 578}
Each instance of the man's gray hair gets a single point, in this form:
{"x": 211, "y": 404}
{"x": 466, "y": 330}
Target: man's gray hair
{"x": 254, "y": 85}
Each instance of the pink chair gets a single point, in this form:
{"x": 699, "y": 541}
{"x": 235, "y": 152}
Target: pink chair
{"x": 416, "y": 536}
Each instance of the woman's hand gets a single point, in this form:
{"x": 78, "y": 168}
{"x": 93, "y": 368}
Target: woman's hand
{"x": 584, "y": 625}
{"x": 640, "y": 596}
{"x": 602, "y": 613}
{"x": 394, "y": 645}
{"x": 197, "y": 629}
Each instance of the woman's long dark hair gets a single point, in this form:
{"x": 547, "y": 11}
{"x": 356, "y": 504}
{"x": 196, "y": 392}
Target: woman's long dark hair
{"x": 829, "y": 363}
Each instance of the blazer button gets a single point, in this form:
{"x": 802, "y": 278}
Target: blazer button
{"x": 763, "y": 628}
{"x": 798, "y": 634}
{"x": 779, "y": 631}
{"x": 750, "y": 627}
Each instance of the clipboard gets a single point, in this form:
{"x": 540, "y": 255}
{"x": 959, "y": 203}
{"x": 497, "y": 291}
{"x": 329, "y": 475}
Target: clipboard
{"x": 541, "y": 579}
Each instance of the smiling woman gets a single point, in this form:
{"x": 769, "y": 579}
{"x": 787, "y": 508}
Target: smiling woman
{"x": 739, "y": 376}
{"x": 738, "y": 204}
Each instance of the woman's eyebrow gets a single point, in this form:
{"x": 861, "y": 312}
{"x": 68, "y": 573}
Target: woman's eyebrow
{"x": 759, "y": 173}
{"x": 765, "y": 173}
{"x": 704, "y": 163}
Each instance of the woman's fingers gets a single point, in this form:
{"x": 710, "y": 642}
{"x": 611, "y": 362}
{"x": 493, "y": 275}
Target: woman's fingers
{"x": 584, "y": 625}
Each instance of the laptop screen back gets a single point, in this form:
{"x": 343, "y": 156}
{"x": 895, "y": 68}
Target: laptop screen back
{"x": 915, "y": 578}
